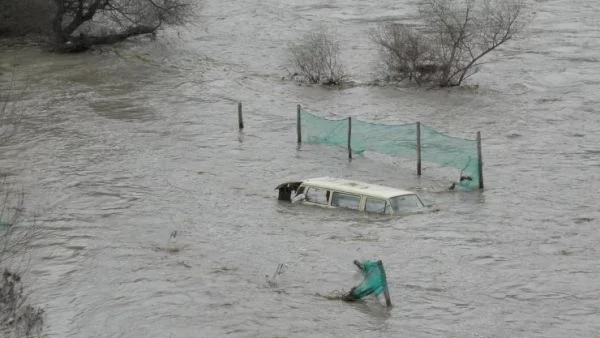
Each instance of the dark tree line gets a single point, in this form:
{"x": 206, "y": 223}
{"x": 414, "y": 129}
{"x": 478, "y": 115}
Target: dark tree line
{"x": 76, "y": 25}
{"x": 22, "y": 17}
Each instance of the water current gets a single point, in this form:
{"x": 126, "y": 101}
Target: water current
{"x": 117, "y": 148}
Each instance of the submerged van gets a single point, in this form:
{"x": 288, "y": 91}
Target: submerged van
{"x": 350, "y": 194}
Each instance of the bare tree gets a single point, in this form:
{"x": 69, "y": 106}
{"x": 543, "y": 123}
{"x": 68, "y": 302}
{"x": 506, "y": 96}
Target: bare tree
{"x": 79, "y": 24}
{"x": 316, "y": 58}
{"x": 455, "y": 36}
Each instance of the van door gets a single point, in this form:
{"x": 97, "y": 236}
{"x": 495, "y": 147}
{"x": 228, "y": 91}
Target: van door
{"x": 286, "y": 189}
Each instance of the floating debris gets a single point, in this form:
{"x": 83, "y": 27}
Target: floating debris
{"x": 171, "y": 246}
{"x": 271, "y": 280}
{"x": 184, "y": 264}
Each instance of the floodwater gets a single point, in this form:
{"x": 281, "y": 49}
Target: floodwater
{"x": 117, "y": 148}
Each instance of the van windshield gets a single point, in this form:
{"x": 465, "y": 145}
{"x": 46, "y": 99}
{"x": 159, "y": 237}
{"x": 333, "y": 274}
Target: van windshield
{"x": 406, "y": 203}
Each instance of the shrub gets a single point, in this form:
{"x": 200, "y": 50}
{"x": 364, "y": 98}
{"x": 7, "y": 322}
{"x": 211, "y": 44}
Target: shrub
{"x": 455, "y": 35}
{"x": 405, "y": 53}
{"x": 316, "y": 58}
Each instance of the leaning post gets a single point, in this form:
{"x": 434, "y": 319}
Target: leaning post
{"x": 419, "y": 148}
{"x": 479, "y": 160}
{"x": 349, "y": 137}
{"x": 240, "y": 119}
{"x": 298, "y": 123}
{"x": 386, "y": 291}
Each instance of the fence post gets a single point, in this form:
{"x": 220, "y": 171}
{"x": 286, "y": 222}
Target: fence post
{"x": 298, "y": 123}
{"x": 419, "y": 148}
{"x": 240, "y": 119}
{"x": 479, "y": 160}
{"x": 386, "y": 291}
{"x": 349, "y": 137}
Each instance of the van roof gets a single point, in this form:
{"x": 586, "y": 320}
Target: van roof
{"x": 356, "y": 187}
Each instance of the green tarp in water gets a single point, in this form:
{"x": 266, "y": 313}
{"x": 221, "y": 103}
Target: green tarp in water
{"x": 375, "y": 281}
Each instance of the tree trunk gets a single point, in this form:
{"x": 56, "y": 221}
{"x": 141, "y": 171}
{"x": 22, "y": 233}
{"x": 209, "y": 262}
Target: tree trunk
{"x": 83, "y": 43}
{"x": 57, "y": 23}
{"x": 79, "y": 14}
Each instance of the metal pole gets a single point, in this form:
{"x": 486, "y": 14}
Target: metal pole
{"x": 419, "y": 148}
{"x": 479, "y": 160}
{"x": 349, "y": 137}
{"x": 240, "y": 119}
{"x": 298, "y": 124}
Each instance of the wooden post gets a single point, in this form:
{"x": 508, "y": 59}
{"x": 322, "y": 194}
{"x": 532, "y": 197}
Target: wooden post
{"x": 419, "y": 148}
{"x": 240, "y": 119}
{"x": 386, "y": 294}
{"x": 479, "y": 160}
{"x": 349, "y": 137}
{"x": 386, "y": 291}
{"x": 298, "y": 124}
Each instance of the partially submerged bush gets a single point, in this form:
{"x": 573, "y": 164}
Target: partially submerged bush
{"x": 316, "y": 58}
{"x": 455, "y": 35}
{"x": 405, "y": 52}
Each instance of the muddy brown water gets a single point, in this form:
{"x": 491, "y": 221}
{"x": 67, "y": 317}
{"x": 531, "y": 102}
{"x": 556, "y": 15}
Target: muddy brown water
{"x": 119, "y": 147}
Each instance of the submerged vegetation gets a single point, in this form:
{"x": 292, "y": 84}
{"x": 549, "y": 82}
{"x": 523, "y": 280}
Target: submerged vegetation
{"x": 17, "y": 317}
{"x": 444, "y": 47}
{"x": 453, "y": 38}
{"x": 316, "y": 57}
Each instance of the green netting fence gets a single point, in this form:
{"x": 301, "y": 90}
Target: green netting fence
{"x": 412, "y": 140}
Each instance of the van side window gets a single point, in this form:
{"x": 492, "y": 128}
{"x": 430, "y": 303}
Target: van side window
{"x": 406, "y": 203}
{"x": 345, "y": 200}
{"x": 375, "y": 205}
{"x": 316, "y": 195}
